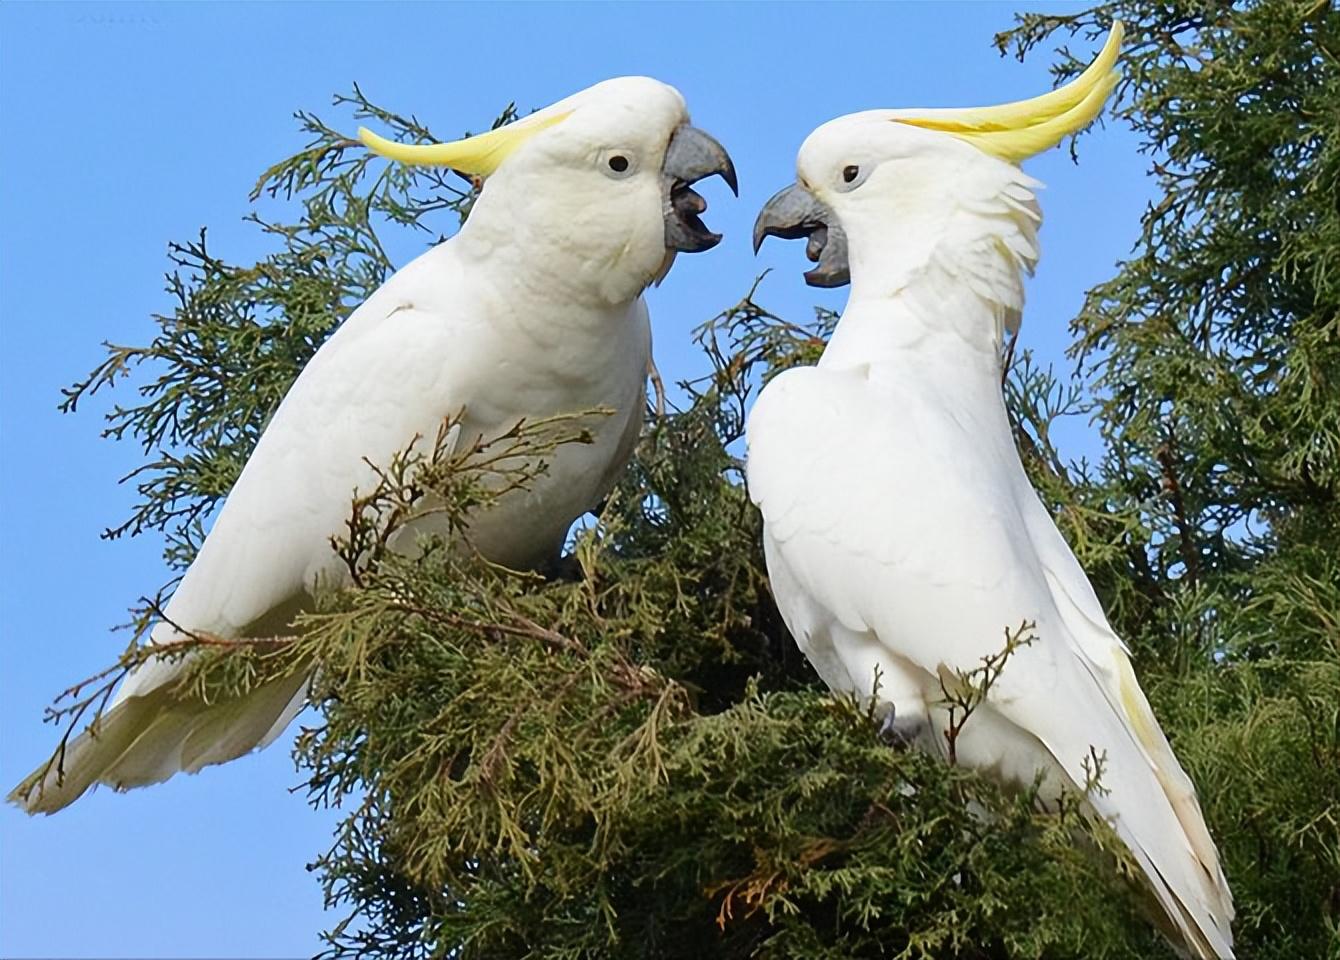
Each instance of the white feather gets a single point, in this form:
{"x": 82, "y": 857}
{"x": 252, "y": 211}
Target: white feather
{"x": 901, "y": 531}
{"x": 532, "y": 310}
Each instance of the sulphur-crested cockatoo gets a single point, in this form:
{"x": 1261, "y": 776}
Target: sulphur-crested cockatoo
{"x": 902, "y": 536}
{"x": 533, "y": 309}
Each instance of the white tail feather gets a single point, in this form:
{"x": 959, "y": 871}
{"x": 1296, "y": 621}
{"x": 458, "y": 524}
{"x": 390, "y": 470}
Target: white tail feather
{"x": 1200, "y": 926}
{"x": 156, "y": 731}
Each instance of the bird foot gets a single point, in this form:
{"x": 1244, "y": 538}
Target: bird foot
{"x": 566, "y": 568}
{"x": 901, "y": 732}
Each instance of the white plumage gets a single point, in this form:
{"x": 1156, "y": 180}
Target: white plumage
{"x": 902, "y": 535}
{"x": 533, "y": 309}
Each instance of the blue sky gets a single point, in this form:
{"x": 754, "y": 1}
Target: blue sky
{"x": 129, "y": 126}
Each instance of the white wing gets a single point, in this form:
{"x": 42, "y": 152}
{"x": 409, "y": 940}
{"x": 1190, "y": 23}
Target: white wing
{"x": 431, "y": 342}
{"x": 898, "y": 537}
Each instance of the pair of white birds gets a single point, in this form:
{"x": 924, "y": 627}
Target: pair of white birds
{"x": 901, "y": 533}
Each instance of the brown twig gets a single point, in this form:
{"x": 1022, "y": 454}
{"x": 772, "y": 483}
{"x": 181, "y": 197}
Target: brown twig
{"x": 974, "y": 685}
{"x": 657, "y": 386}
{"x": 1166, "y": 456}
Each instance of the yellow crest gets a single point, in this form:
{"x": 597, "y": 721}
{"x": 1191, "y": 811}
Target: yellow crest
{"x": 480, "y": 155}
{"x": 1017, "y": 131}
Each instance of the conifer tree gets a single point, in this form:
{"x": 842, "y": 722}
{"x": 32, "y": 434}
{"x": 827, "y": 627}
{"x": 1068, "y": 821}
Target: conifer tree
{"x": 630, "y": 758}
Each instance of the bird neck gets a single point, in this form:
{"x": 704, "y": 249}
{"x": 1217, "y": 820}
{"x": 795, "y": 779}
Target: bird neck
{"x": 940, "y": 339}
{"x": 558, "y": 253}
{"x": 933, "y": 310}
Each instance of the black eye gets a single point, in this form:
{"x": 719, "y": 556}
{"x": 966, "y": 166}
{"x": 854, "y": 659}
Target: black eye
{"x": 850, "y": 173}
{"x": 618, "y": 163}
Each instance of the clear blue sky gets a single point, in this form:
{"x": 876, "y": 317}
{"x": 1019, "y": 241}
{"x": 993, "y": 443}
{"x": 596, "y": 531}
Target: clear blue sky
{"x": 127, "y": 126}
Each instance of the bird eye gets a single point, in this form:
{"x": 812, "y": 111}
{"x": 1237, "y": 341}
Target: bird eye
{"x": 618, "y": 163}
{"x": 852, "y": 177}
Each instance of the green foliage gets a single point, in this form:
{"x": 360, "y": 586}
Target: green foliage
{"x": 1212, "y": 359}
{"x": 632, "y": 759}
{"x": 591, "y": 766}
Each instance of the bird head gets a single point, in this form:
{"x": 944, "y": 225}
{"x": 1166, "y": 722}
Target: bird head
{"x": 598, "y": 186}
{"x": 890, "y": 185}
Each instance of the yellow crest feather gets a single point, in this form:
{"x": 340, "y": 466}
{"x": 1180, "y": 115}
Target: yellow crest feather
{"x": 480, "y": 155}
{"x": 1019, "y": 130}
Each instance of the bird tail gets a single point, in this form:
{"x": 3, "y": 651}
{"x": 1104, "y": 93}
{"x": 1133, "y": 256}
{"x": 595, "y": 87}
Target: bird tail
{"x": 1196, "y": 932}
{"x": 156, "y": 729}
{"x": 1165, "y": 831}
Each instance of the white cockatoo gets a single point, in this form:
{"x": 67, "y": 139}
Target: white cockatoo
{"x": 902, "y": 535}
{"x": 533, "y": 309}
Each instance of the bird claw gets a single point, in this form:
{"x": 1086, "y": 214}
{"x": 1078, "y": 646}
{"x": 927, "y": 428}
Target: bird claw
{"x": 900, "y": 732}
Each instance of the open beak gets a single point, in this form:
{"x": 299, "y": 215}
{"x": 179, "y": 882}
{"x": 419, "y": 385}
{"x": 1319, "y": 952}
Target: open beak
{"x": 795, "y": 213}
{"x": 691, "y": 156}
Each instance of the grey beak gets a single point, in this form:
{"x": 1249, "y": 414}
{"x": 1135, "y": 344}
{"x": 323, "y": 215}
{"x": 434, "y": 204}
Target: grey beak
{"x": 795, "y": 213}
{"x": 690, "y": 156}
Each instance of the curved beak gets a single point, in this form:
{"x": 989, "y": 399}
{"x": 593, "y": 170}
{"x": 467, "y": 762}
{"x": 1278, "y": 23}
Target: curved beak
{"x": 690, "y": 156}
{"x": 795, "y": 213}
